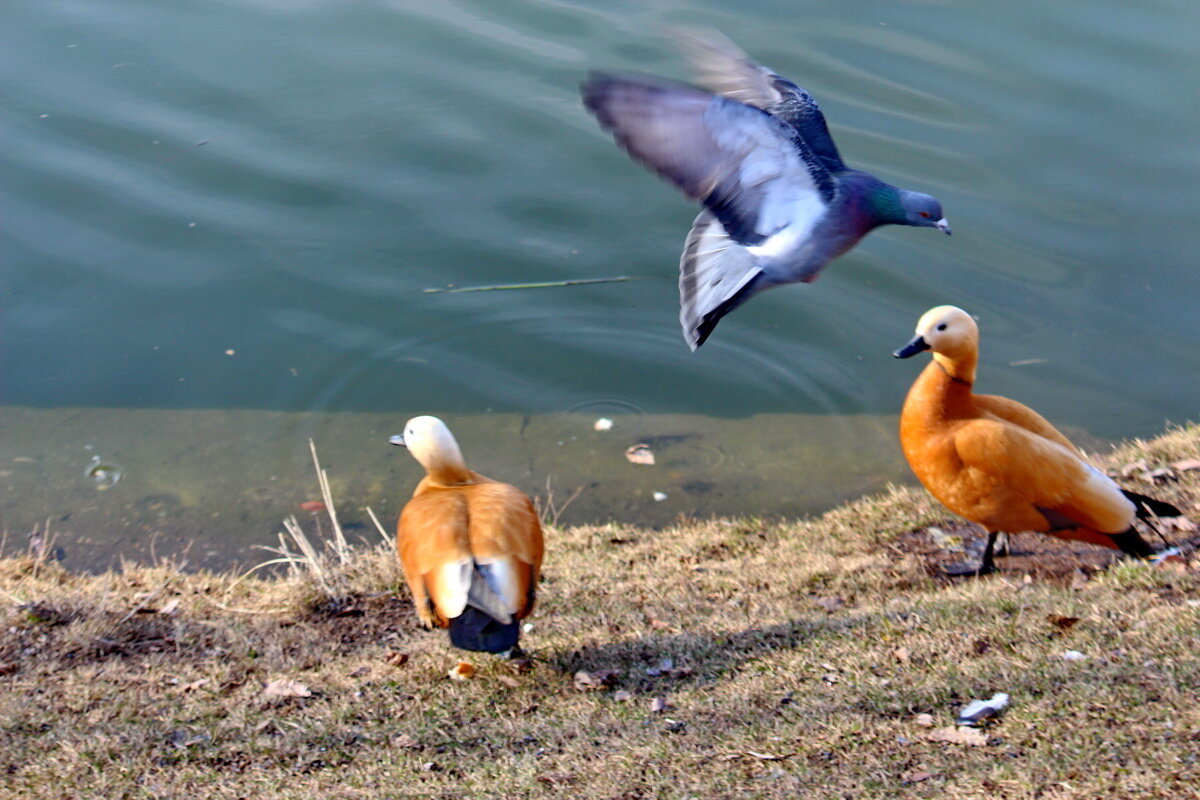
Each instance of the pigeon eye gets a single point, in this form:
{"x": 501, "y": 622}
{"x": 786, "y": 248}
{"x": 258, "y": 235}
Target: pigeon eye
{"x": 942, "y": 327}
{"x": 925, "y": 214}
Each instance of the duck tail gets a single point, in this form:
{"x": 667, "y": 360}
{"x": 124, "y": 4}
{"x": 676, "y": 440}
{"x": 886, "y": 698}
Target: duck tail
{"x": 1148, "y": 507}
{"x": 1131, "y": 542}
{"x": 475, "y": 630}
{"x": 716, "y": 275}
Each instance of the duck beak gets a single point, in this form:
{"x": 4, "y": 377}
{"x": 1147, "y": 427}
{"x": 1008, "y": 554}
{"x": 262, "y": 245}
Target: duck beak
{"x": 943, "y": 226}
{"x": 397, "y": 439}
{"x": 917, "y": 345}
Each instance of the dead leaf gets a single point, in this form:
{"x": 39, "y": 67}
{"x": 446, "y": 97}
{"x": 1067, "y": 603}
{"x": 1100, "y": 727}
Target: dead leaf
{"x": 1187, "y": 464}
{"x": 1129, "y": 470}
{"x": 917, "y": 777}
{"x": 170, "y": 607}
{"x": 924, "y": 720}
{"x": 767, "y": 756}
{"x": 1061, "y": 622}
{"x": 953, "y": 734}
{"x": 622, "y": 696}
{"x": 358, "y": 673}
{"x": 286, "y": 687}
{"x": 520, "y": 664}
{"x": 1160, "y": 475}
{"x": 1182, "y": 524}
{"x": 193, "y": 686}
{"x": 313, "y": 506}
{"x": 981, "y": 646}
{"x": 462, "y": 671}
{"x": 509, "y": 681}
{"x": 902, "y": 654}
{"x": 591, "y": 681}
{"x": 830, "y": 604}
{"x": 658, "y": 705}
{"x": 640, "y": 454}
{"x": 397, "y": 659}
{"x": 664, "y": 666}
{"x": 405, "y": 741}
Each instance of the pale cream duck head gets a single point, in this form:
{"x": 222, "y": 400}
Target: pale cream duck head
{"x": 953, "y": 337}
{"x": 434, "y": 447}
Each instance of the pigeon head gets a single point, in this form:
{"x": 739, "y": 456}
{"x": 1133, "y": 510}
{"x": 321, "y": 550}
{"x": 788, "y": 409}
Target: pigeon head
{"x": 923, "y": 211}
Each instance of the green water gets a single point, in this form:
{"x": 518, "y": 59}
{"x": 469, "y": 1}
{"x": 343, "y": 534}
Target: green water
{"x": 219, "y": 220}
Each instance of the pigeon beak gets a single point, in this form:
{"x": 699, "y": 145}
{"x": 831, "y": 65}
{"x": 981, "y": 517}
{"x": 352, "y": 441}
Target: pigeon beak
{"x": 917, "y": 345}
{"x": 397, "y": 439}
{"x": 943, "y": 226}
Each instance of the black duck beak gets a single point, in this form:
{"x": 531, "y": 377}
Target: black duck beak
{"x": 398, "y": 439}
{"x": 917, "y": 345}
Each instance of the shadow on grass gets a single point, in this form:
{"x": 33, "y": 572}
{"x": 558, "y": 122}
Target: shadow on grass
{"x": 661, "y": 661}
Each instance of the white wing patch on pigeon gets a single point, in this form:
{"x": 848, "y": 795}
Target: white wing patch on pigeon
{"x": 800, "y": 214}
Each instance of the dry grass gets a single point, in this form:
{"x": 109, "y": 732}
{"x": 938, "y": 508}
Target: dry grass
{"x": 789, "y": 660}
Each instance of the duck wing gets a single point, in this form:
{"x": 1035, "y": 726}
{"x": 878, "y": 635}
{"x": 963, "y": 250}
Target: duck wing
{"x": 506, "y": 543}
{"x": 1019, "y": 469}
{"x": 433, "y": 542}
{"x": 1023, "y": 417}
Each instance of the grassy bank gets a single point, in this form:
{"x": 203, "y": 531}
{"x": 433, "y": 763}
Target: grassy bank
{"x": 724, "y": 658}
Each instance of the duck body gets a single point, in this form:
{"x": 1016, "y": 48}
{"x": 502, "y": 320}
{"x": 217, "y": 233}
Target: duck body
{"x": 754, "y": 149}
{"x": 999, "y": 463}
{"x": 471, "y": 549}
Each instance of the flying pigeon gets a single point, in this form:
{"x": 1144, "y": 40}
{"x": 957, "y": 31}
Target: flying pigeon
{"x": 753, "y": 148}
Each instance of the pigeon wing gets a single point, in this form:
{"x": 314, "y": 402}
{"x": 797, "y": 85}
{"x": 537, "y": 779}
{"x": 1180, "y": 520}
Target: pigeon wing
{"x": 722, "y": 67}
{"x": 753, "y": 172}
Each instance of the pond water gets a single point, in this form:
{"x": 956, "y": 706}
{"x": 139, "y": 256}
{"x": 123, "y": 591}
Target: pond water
{"x": 220, "y": 219}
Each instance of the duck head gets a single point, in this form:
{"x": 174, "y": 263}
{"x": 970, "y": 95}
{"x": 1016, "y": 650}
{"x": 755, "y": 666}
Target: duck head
{"x": 435, "y": 449}
{"x": 953, "y": 337}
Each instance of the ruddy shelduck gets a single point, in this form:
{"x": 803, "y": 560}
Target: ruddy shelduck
{"x": 999, "y": 463}
{"x": 471, "y": 547}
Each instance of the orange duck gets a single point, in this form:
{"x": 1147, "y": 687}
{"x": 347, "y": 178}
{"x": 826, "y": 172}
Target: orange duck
{"x": 999, "y": 463}
{"x": 471, "y": 547}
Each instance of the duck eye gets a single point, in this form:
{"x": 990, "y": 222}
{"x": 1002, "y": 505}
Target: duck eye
{"x": 942, "y": 327}
{"x": 925, "y": 214}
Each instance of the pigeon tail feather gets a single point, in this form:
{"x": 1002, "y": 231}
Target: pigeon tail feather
{"x": 716, "y": 275}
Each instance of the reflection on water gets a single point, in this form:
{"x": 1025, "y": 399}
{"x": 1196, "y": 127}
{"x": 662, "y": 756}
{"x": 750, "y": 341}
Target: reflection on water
{"x": 239, "y": 205}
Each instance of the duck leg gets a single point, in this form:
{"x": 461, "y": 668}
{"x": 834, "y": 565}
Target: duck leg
{"x": 988, "y": 564}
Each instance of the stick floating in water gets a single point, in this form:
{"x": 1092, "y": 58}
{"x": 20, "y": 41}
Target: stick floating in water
{"x": 543, "y": 285}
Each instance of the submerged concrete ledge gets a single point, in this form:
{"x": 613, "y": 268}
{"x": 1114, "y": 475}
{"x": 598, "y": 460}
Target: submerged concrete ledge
{"x": 215, "y": 483}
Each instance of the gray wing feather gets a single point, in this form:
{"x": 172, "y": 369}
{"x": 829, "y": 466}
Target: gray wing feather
{"x": 716, "y": 275}
{"x": 748, "y": 168}
{"x": 724, "y": 68}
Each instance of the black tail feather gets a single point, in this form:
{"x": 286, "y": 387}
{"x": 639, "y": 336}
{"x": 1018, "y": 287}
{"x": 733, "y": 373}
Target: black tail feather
{"x": 1132, "y": 543}
{"x": 1148, "y": 507}
{"x": 475, "y": 630}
